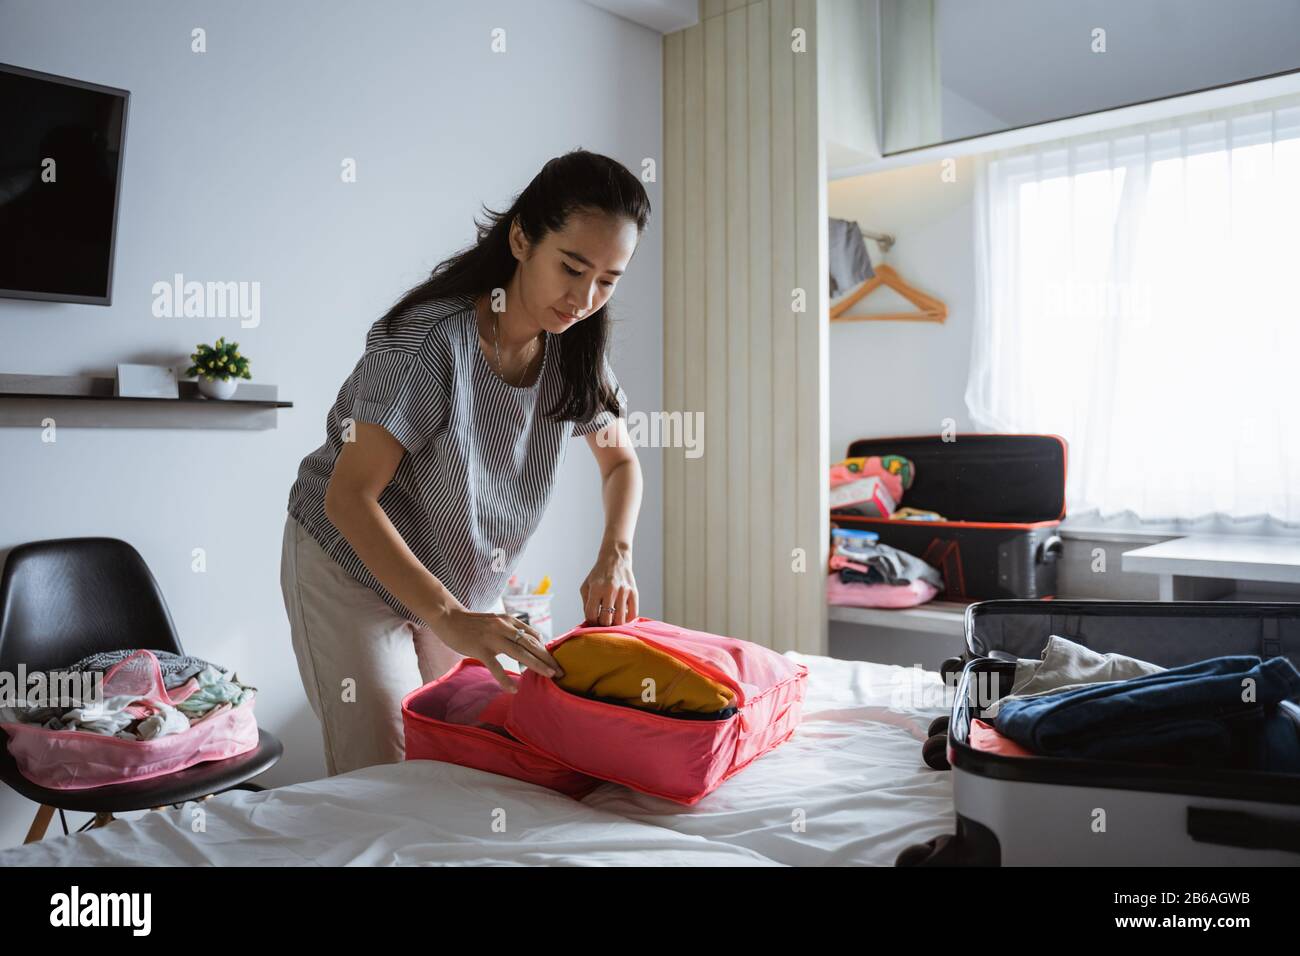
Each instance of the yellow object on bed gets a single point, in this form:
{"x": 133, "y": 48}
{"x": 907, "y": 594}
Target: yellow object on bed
{"x": 617, "y": 667}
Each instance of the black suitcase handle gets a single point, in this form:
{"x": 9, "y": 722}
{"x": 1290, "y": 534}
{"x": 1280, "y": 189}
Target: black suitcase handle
{"x": 1237, "y": 828}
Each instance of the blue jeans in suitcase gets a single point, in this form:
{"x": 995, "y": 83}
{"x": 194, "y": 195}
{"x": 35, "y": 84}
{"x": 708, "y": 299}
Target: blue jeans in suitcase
{"x": 1193, "y": 715}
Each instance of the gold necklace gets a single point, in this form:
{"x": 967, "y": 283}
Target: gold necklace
{"x": 496, "y": 341}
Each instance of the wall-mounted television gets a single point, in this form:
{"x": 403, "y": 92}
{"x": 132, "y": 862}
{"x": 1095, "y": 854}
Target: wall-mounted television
{"x": 61, "y": 149}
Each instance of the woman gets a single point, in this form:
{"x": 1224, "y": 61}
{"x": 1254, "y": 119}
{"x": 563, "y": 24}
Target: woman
{"x": 441, "y": 451}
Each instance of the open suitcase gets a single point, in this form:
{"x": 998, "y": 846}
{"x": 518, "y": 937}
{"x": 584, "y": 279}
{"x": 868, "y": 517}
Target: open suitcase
{"x": 1004, "y": 498}
{"x": 547, "y": 735}
{"x": 1044, "y": 810}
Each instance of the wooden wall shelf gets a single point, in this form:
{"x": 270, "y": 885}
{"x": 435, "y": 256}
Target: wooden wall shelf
{"x": 87, "y": 401}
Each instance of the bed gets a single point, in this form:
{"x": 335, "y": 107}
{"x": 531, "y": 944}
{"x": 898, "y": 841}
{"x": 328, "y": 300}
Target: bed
{"x": 849, "y": 788}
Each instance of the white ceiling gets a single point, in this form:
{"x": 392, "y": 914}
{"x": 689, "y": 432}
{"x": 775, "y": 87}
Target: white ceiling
{"x": 1154, "y": 48}
{"x": 662, "y": 16}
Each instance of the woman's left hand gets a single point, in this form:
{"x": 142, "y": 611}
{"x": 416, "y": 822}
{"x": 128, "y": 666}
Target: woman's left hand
{"x": 611, "y": 586}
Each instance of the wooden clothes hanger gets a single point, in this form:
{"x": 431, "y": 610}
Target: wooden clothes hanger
{"x": 931, "y": 309}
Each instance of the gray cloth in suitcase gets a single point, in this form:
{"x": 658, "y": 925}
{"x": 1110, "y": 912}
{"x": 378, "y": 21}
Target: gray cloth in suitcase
{"x": 1067, "y": 665}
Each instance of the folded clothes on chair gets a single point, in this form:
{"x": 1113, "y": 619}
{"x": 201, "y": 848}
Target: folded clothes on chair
{"x": 176, "y": 668}
{"x": 214, "y": 688}
{"x": 621, "y": 669}
{"x": 127, "y": 727}
{"x": 195, "y": 688}
{"x": 111, "y": 716}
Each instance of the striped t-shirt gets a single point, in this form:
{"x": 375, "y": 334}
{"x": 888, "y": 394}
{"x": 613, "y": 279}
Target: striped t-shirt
{"x": 481, "y": 455}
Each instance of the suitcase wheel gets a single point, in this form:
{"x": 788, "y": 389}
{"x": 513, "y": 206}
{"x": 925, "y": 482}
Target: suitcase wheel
{"x": 938, "y": 726}
{"x": 951, "y": 667}
{"x": 914, "y": 855}
{"x": 937, "y": 851}
{"x": 935, "y": 752}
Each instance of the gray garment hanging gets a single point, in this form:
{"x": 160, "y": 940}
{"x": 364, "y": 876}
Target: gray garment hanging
{"x": 847, "y": 256}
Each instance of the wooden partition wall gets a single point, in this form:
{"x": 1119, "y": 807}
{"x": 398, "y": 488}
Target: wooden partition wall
{"x": 745, "y": 325}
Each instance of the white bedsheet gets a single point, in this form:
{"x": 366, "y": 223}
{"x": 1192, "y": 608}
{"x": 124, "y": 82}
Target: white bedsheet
{"x": 849, "y": 788}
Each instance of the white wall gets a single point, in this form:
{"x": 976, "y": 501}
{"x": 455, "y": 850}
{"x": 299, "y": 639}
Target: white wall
{"x": 905, "y": 378}
{"x": 232, "y": 173}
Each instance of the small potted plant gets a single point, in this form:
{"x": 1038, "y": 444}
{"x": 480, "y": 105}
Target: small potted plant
{"x": 219, "y": 368}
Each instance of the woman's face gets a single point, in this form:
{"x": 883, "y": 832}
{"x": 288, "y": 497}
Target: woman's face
{"x": 572, "y": 273}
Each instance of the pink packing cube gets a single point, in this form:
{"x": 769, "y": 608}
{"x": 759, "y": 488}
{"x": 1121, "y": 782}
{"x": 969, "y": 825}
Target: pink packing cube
{"x": 78, "y": 759}
{"x": 546, "y": 735}
{"x": 459, "y": 718}
{"x": 680, "y": 760}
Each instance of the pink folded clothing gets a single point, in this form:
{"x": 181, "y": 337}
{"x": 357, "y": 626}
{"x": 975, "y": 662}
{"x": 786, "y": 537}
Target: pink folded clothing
{"x": 986, "y": 738}
{"x": 867, "y": 497}
{"x": 878, "y": 595}
{"x": 185, "y": 691}
{"x": 839, "y": 561}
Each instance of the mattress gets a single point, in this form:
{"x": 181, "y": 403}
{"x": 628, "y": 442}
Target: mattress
{"x": 849, "y": 788}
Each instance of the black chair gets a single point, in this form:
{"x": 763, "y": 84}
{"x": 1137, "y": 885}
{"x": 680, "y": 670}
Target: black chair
{"x": 65, "y": 598}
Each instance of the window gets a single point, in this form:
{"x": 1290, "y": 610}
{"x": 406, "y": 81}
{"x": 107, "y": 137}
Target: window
{"x": 1138, "y": 292}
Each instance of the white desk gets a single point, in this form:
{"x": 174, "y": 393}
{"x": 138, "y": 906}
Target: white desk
{"x": 1189, "y": 568}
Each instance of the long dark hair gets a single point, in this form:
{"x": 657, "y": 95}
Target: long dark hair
{"x": 577, "y": 182}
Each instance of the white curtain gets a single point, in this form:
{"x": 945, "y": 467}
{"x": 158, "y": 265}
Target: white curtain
{"x": 1138, "y": 292}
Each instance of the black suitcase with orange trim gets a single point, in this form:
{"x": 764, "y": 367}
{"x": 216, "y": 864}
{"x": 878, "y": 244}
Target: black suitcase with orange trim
{"x": 1003, "y": 497}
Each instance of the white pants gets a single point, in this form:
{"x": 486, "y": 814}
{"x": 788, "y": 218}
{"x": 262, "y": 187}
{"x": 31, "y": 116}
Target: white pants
{"x": 357, "y": 656}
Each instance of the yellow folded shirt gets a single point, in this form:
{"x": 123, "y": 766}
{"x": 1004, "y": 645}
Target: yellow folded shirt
{"x": 614, "y": 667}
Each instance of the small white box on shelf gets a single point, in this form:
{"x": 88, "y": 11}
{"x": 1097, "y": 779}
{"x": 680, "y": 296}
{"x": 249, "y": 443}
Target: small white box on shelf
{"x": 146, "y": 381}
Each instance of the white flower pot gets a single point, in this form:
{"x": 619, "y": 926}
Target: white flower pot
{"x": 216, "y": 388}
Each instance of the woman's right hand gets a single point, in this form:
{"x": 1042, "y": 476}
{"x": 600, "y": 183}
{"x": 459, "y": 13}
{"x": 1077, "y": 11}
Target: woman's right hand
{"x": 484, "y": 635}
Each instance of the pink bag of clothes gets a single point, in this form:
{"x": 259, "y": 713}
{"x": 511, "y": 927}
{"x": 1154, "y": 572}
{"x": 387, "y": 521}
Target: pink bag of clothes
{"x": 460, "y": 718}
{"x": 854, "y": 594}
{"x": 546, "y": 735}
{"x": 680, "y": 760}
{"x": 78, "y": 759}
